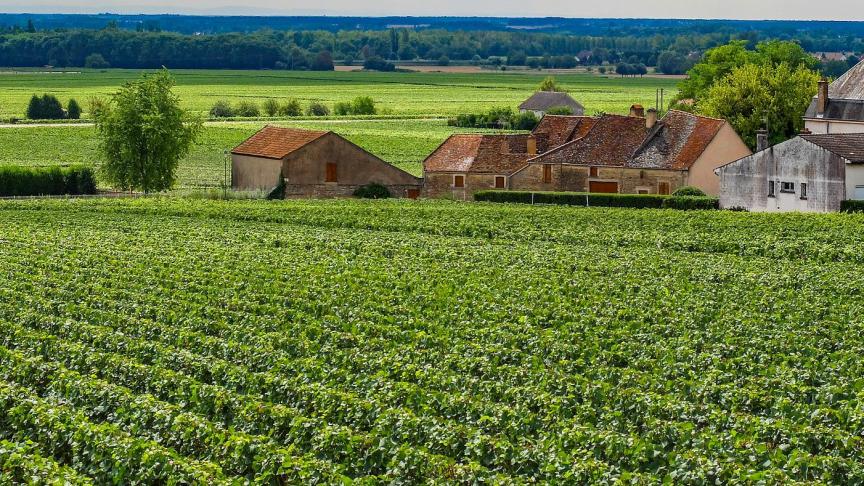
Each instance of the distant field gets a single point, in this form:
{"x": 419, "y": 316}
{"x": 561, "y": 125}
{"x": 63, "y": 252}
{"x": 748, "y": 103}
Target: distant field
{"x": 409, "y": 94}
{"x": 404, "y": 143}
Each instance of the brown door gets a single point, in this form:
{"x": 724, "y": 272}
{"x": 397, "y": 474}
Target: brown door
{"x": 547, "y": 173}
{"x": 663, "y": 189}
{"x": 603, "y": 187}
{"x": 413, "y": 193}
{"x": 330, "y": 175}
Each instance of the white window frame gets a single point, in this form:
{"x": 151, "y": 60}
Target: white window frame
{"x": 791, "y": 186}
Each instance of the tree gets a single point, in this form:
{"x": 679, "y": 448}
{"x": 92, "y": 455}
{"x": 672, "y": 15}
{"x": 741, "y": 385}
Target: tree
{"x": 376, "y": 63}
{"x": 73, "y": 110}
{"x": 291, "y": 108}
{"x": 143, "y": 134}
{"x": 548, "y": 84}
{"x": 248, "y": 109}
{"x": 31, "y": 28}
{"x": 46, "y": 107}
{"x": 670, "y": 62}
{"x": 34, "y": 108}
{"x": 443, "y": 61}
{"x": 96, "y": 61}
{"x": 271, "y": 107}
{"x": 316, "y": 108}
{"x": 363, "y": 105}
{"x": 348, "y": 59}
{"x": 221, "y": 109}
{"x": 323, "y": 62}
{"x": 757, "y": 96}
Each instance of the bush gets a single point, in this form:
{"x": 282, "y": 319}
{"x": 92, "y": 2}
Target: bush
{"x": 377, "y": 63}
{"x": 278, "y": 192}
{"x": 221, "y": 109}
{"x": 271, "y": 107}
{"x": 641, "y": 201}
{"x": 348, "y": 60}
{"x": 95, "y": 106}
{"x": 852, "y": 206}
{"x": 46, "y": 107}
{"x": 316, "y": 108}
{"x": 443, "y": 61}
{"x": 689, "y": 191}
{"x": 73, "y": 110}
{"x": 342, "y": 108}
{"x": 499, "y": 118}
{"x": 248, "y": 109}
{"x": 525, "y": 121}
{"x": 96, "y": 61}
{"x": 46, "y": 181}
{"x": 291, "y": 108}
{"x": 372, "y": 191}
{"x": 560, "y": 110}
{"x": 363, "y": 105}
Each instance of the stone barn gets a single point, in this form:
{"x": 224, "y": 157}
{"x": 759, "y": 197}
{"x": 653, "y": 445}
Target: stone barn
{"x": 542, "y": 101}
{"x": 313, "y": 164}
{"x": 809, "y": 173}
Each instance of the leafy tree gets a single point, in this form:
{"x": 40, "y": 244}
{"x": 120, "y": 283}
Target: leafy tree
{"x": 670, "y": 62}
{"x": 559, "y": 110}
{"x": 444, "y": 60}
{"x": 376, "y": 63}
{"x": 363, "y": 105}
{"x": 271, "y": 107}
{"x": 316, "y": 108}
{"x": 46, "y": 107}
{"x": 143, "y": 134}
{"x": 31, "y": 28}
{"x": 247, "y": 109}
{"x": 548, "y": 84}
{"x": 221, "y": 109}
{"x": 96, "y": 61}
{"x": 323, "y": 62}
{"x": 756, "y": 96}
{"x": 833, "y": 69}
{"x": 348, "y": 59}
{"x": 73, "y": 110}
{"x": 291, "y": 108}
{"x": 34, "y": 108}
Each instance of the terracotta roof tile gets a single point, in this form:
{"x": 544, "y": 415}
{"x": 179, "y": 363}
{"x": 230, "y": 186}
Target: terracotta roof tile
{"x": 276, "y": 142}
{"x": 556, "y": 130}
{"x": 676, "y": 141}
{"x": 850, "y": 146}
{"x": 610, "y": 141}
{"x": 477, "y": 153}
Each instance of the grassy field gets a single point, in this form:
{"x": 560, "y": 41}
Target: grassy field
{"x": 413, "y": 342}
{"x": 404, "y": 143}
{"x": 407, "y": 94}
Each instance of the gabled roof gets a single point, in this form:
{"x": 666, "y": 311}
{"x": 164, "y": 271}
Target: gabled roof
{"x": 849, "y": 86}
{"x": 845, "y": 97}
{"x": 556, "y": 130}
{"x": 847, "y": 110}
{"x": 611, "y": 141}
{"x": 544, "y": 100}
{"x": 850, "y": 146}
{"x": 276, "y": 142}
{"x": 478, "y": 153}
{"x": 676, "y": 141}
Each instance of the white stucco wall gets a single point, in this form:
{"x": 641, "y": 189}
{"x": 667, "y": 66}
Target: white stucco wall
{"x": 854, "y": 177}
{"x": 817, "y": 126}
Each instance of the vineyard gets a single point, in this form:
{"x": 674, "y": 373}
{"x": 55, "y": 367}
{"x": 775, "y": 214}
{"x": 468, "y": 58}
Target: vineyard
{"x": 184, "y": 341}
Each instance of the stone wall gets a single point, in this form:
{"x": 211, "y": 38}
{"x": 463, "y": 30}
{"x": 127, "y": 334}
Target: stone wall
{"x": 577, "y": 178}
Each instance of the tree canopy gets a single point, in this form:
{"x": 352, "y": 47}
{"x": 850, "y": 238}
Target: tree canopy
{"x": 144, "y": 134}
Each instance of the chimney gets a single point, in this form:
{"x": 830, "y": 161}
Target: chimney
{"x": 637, "y": 110}
{"x": 761, "y": 140}
{"x": 532, "y": 145}
{"x": 651, "y": 119}
{"x": 822, "y": 98}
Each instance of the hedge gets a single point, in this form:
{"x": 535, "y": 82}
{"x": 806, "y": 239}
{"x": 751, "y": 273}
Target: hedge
{"x": 593, "y": 199}
{"x": 46, "y": 181}
{"x": 852, "y": 206}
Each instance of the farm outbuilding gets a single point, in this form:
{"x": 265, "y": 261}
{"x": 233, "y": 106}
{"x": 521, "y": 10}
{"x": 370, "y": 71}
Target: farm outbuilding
{"x": 313, "y": 164}
{"x": 543, "y": 101}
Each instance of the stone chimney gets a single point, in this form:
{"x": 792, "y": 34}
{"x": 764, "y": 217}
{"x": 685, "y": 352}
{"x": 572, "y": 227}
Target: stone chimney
{"x": 651, "y": 119}
{"x": 822, "y": 98}
{"x": 637, "y": 110}
{"x": 532, "y": 145}
{"x": 761, "y": 140}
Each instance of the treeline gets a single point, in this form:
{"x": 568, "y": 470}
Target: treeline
{"x": 317, "y": 50}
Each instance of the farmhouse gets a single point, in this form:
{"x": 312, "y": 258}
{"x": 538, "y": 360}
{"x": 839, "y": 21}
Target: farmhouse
{"x": 809, "y": 173}
{"x": 636, "y": 155}
{"x": 313, "y": 163}
{"x": 542, "y": 101}
{"x": 465, "y": 164}
{"x": 838, "y": 107}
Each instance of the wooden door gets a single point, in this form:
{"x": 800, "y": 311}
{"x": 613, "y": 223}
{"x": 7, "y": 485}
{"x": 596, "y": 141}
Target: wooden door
{"x": 603, "y": 187}
{"x": 663, "y": 189}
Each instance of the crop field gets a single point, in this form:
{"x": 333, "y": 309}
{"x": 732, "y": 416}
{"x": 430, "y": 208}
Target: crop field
{"x": 312, "y": 342}
{"x": 405, "y": 94}
{"x": 404, "y": 143}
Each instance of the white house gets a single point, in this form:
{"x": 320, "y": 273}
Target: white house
{"x": 838, "y": 107}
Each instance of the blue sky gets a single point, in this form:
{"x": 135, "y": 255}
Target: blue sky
{"x": 739, "y": 9}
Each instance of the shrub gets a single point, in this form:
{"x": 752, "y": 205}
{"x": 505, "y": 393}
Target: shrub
{"x": 363, "y": 105}
{"x": 316, "y": 108}
{"x": 96, "y": 61}
{"x": 342, "y": 108}
{"x": 443, "y": 61}
{"x": 221, "y": 109}
{"x": 271, "y": 107}
{"x": 377, "y": 63}
{"x": 689, "y": 191}
{"x": 247, "y": 109}
{"x": 95, "y": 106}
{"x": 499, "y": 118}
{"x": 852, "y": 206}
{"x": 46, "y": 107}
{"x": 73, "y": 110}
{"x": 559, "y": 110}
{"x": 45, "y": 181}
{"x": 525, "y": 121}
{"x": 372, "y": 191}
{"x": 605, "y": 200}
{"x": 291, "y": 108}
{"x": 277, "y": 192}
{"x": 348, "y": 60}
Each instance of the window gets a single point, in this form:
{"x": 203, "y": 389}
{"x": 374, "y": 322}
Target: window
{"x": 593, "y": 172}
{"x": 663, "y": 188}
{"x": 458, "y": 181}
{"x": 330, "y": 176}
{"x": 500, "y": 182}
{"x": 547, "y": 173}
{"x": 803, "y": 190}
{"x": 770, "y": 188}
{"x": 787, "y": 187}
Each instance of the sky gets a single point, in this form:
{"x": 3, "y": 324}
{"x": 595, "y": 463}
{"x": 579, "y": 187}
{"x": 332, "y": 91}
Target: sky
{"x": 714, "y": 9}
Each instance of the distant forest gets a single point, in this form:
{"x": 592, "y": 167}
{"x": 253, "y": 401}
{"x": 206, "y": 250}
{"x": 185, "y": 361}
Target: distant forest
{"x": 313, "y": 43}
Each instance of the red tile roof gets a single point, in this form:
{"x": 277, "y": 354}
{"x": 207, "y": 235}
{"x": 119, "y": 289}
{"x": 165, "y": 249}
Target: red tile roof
{"x": 676, "y": 141}
{"x": 610, "y": 141}
{"x": 276, "y": 142}
{"x": 477, "y": 153}
{"x": 556, "y": 130}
